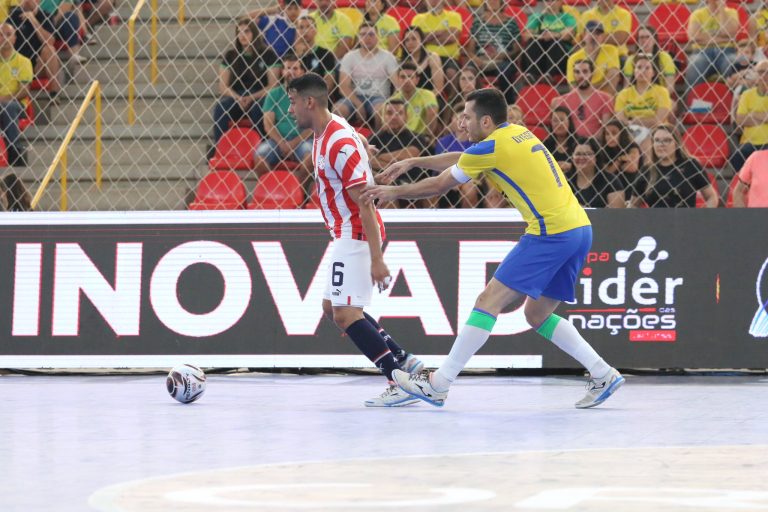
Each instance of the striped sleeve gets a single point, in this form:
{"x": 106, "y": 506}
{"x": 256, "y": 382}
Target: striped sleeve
{"x": 349, "y": 165}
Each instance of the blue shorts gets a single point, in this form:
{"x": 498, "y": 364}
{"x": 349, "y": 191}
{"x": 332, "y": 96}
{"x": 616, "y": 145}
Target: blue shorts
{"x": 546, "y": 265}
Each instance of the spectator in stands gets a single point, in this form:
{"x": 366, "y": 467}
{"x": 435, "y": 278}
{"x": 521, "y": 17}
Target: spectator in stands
{"x": 614, "y": 144}
{"x": 593, "y": 187}
{"x": 644, "y": 104}
{"x": 606, "y": 74}
{"x": 387, "y": 27}
{"x": 494, "y": 39}
{"x": 742, "y": 73}
{"x": 456, "y": 139}
{"x": 16, "y": 197}
{"x": 365, "y": 77}
{"x": 428, "y": 63}
{"x": 549, "y": 37}
{"x": 34, "y": 40}
{"x": 441, "y": 29}
{"x": 562, "y": 138}
{"x": 278, "y": 26}
{"x": 247, "y": 72}
{"x": 15, "y": 76}
{"x": 515, "y": 115}
{"x": 315, "y": 59}
{"x": 662, "y": 60}
{"x": 752, "y": 183}
{"x": 752, "y": 118}
{"x": 712, "y": 29}
{"x": 335, "y": 31}
{"x": 757, "y": 28}
{"x": 466, "y": 83}
{"x": 283, "y": 139}
{"x": 67, "y": 19}
{"x": 673, "y": 176}
{"x": 616, "y": 20}
{"x": 421, "y": 104}
{"x": 590, "y": 108}
{"x": 631, "y": 173}
{"x": 98, "y": 12}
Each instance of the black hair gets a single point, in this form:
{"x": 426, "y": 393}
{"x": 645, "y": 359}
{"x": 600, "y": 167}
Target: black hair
{"x": 489, "y": 102}
{"x": 16, "y": 194}
{"x": 310, "y": 84}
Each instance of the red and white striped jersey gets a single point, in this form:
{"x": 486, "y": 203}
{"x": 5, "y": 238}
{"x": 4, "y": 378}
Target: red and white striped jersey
{"x": 341, "y": 163}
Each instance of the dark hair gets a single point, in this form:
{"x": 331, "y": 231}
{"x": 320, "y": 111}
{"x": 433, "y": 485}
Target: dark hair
{"x": 410, "y": 65}
{"x": 422, "y": 51}
{"x": 587, "y": 62}
{"x": 489, "y": 102}
{"x": 649, "y": 58}
{"x": 312, "y": 85}
{"x": 292, "y": 2}
{"x": 625, "y": 138}
{"x": 366, "y": 24}
{"x": 396, "y": 101}
{"x": 289, "y": 56}
{"x": 655, "y": 53}
{"x": 571, "y": 126}
{"x": 258, "y": 41}
{"x": 16, "y": 194}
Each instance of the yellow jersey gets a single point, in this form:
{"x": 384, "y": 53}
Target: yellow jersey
{"x": 752, "y": 101}
{"x": 430, "y": 22}
{"x": 666, "y": 62}
{"x": 618, "y": 19}
{"x": 332, "y": 30}
{"x": 711, "y": 24}
{"x": 14, "y": 72}
{"x": 517, "y": 164}
{"x": 634, "y": 104}
{"x": 416, "y": 108}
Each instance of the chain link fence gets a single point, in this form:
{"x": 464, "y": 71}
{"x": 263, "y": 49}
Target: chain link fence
{"x": 641, "y": 104}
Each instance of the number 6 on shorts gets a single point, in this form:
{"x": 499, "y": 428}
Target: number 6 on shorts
{"x": 337, "y": 276}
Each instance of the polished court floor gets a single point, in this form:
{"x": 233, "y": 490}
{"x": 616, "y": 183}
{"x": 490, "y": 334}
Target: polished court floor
{"x": 286, "y": 442}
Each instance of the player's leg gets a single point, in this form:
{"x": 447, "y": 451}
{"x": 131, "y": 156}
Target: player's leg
{"x": 433, "y": 387}
{"x": 604, "y": 380}
{"x": 348, "y": 290}
{"x": 408, "y": 362}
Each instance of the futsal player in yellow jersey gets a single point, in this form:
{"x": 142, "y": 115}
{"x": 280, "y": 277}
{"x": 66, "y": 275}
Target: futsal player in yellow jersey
{"x": 544, "y": 264}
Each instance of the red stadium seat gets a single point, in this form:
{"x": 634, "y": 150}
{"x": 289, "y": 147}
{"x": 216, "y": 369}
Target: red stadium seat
{"x": 277, "y": 190}
{"x": 523, "y": 3}
{"x": 743, "y": 32}
{"x": 731, "y": 188}
{"x": 3, "y": 153}
{"x": 718, "y": 95}
{"x": 219, "y": 190}
{"x": 519, "y": 15}
{"x": 314, "y": 201}
{"x": 671, "y": 22}
{"x": 578, "y": 3}
{"x": 234, "y": 151}
{"x": 539, "y": 131}
{"x": 535, "y": 101}
{"x": 40, "y": 84}
{"x": 700, "y": 202}
{"x": 629, "y": 3}
{"x": 708, "y": 144}
{"x": 29, "y": 115}
{"x": 466, "y": 22}
{"x": 403, "y": 15}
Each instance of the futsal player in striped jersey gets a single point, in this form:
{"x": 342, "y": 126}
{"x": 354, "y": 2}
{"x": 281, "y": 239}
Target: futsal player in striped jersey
{"x": 544, "y": 264}
{"x": 341, "y": 172}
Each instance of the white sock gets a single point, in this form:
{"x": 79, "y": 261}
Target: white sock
{"x": 565, "y": 335}
{"x": 469, "y": 341}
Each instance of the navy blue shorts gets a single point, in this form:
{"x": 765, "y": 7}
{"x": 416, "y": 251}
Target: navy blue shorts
{"x": 546, "y": 265}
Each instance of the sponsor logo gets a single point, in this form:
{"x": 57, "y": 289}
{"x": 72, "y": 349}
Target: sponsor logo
{"x": 615, "y": 295}
{"x": 759, "y": 326}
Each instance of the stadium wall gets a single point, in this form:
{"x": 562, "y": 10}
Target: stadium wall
{"x": 661, "y": 289}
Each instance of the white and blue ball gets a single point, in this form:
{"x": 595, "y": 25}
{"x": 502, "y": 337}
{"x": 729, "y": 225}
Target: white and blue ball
{"x": 185, "y": 383}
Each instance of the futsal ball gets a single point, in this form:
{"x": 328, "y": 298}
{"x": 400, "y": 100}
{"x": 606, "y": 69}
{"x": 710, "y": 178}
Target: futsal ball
{"x": 186, "y": 383}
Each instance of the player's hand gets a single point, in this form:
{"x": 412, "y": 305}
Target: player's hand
{"x": 392, "y": 172}
{"x": 380, "y": 274}
{"x": 383, "y": 193}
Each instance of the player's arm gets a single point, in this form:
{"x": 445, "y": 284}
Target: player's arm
{"x": 430, "y": 187}
{"x": 433, "y": 163}
{"x": 379, "y": 270}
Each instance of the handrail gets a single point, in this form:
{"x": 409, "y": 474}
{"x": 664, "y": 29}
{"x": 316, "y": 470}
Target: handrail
{"x": 132, "y": 54}
{"x": 182, "y": 12}
{"x": 61, "y": 155}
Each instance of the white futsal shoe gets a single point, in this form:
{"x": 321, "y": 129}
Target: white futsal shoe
{"x": 419, "y": 385}
{"x": 392, "y": 397}
{"x": 412, "y": 364}
{"x": 599, "y": 390}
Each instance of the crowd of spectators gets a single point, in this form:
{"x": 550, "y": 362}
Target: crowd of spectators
{"x": 614, "y": 128}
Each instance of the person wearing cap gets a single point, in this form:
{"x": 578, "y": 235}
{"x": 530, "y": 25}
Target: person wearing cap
{"x": 616, "y": 20}
{"x": 604, "y": 56}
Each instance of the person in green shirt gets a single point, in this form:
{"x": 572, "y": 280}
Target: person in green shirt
{"x": 283, "y": 140}
{"x": 549, "y": 35}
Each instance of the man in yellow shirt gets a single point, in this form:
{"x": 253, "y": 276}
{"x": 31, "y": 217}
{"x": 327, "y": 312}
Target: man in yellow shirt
{"x": 752, "y": 118}
{"x": 441, "y": 33}
{"x": 542, "y": 267}
{"x": 420, "y": 104}
{"x": 335, "y": 31}
{"x": 15, "y": 77}
{"x": 616, "y": 20}
{"x": 605, "y": 57}
{"x": 712, "y": 29}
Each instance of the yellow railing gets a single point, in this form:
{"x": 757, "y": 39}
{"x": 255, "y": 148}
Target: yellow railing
{"x": 94, "y": 94}
{"x": 182, "y": 12}
{"x": 132, "y": 53}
